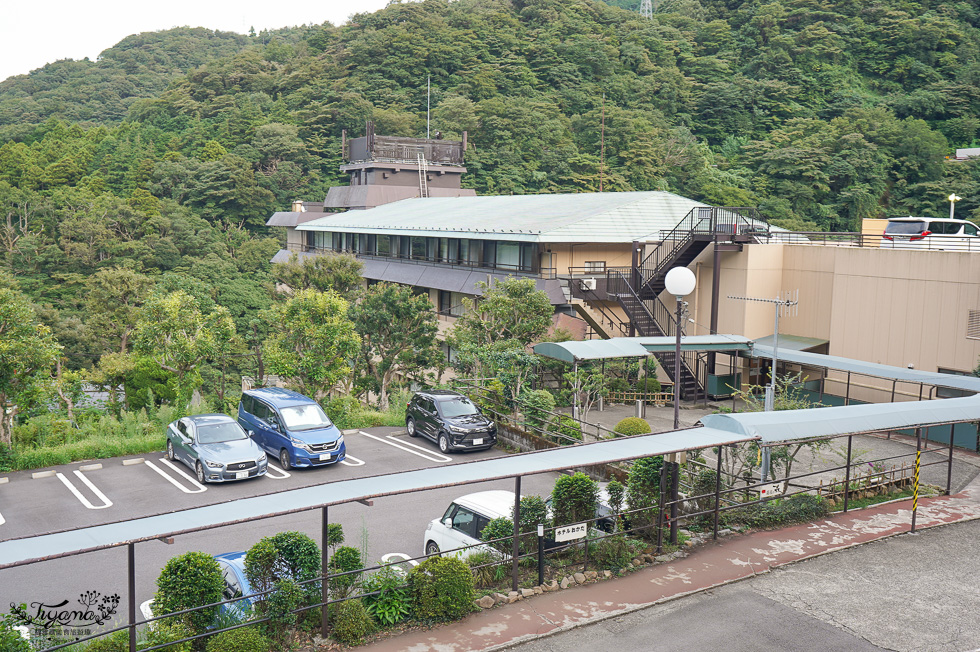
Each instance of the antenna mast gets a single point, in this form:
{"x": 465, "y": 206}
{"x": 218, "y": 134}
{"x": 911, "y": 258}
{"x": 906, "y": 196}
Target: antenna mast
{"x": 428, "y": 103}
{"x": 602, "y": 141}
{"x": 646, "y": 8}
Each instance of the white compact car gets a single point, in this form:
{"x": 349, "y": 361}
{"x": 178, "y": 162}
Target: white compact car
{"x": 464, "y": 519}
{"x": 942, "y": 234}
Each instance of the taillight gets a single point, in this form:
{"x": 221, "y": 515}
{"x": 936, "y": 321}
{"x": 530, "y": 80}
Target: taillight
{"x": 920, "y": 236}
{"x": 887, "y": 237}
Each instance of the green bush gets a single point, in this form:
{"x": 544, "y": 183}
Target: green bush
{"x": 11, "y": 640}
{"x": 497, "y": 528}
{"x": 631, "y": 426}
{"x": 344, "y": 560}
{"x": 352, "y": 622}
{"x": 648, "y": 384}
{"x": 538, "y": 404}
{"x": 286, "y": 555}
{"x": 441, "y": 589}
{"x": 391, "y": 605}
{"x": 343, "y": 411}
{"x": 286, "y": 597}
{"x": 643, "y": 494}
{"x": 487, "y": 568}
{"x": 617, "y": 498}
{"x": 618, "y": 385}
{"x": 800, "y": 508}
{"x": 534, "y": 510}
{"x": 245, "y": 639}
{"x": 566, "y": 430}
{"x": 574, "y": 499}
{"x": 614, "y": 552}
{"x": 115, "y": 642}
{"x": 164, "y": 632}
{"x": 190, "y": 580}
{"x": 705, "y": 483}
{"x": 8, "y": 459}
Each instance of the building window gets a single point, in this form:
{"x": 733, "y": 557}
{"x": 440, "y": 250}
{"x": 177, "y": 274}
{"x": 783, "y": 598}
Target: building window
{"x": 595, "y": 266}
{"x": 949, "y": 392}
{"x": 384, "y": 245}
{"x": 508, "y": 255}
{"x": 418, "y": 247}
{"x": 489, "y": 253}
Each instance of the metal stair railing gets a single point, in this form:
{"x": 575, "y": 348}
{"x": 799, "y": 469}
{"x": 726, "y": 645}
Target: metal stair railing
{"x": 700, "y": 221}
{"x": 596, "y": 304}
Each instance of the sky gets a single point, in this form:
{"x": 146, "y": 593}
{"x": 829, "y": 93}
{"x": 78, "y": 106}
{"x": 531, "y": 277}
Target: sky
{"x": 36, "y": 32}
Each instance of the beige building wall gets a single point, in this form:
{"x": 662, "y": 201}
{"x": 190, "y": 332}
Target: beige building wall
{"x": 894, "y": 307}
{"x": 564, "y": 256}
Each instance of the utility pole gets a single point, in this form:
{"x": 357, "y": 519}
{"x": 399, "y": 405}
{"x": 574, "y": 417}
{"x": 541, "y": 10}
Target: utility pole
{"x": 788, "y": 304}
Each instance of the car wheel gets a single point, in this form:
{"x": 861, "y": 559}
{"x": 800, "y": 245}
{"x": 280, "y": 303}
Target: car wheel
{"x": 432, "y": 548}
{"x": 170, "y": 450}
{"x": 200, "y": 473}
{"x": 443, "y": 442}
{"x": 284, "y": 460}
{"x": 410, "y": 426}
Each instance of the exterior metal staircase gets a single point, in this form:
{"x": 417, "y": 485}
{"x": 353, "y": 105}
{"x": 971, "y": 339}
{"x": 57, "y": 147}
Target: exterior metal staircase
{"x": 638, "y": 290}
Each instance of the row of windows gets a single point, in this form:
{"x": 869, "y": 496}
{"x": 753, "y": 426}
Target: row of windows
{"x": 516, "y": 256}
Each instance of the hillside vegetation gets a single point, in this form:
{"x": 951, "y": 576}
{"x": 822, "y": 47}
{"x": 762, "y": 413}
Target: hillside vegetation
{"x": 154, "y": 168}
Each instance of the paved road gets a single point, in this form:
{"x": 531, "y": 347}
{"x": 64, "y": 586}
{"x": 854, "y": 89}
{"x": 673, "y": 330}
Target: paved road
{"x": 914, "y": 593}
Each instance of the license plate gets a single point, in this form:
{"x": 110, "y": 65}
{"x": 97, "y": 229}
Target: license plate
{"x": 477, "y": 442}
{"x": 239, "y": 475}
{"x": 325, "y": 457}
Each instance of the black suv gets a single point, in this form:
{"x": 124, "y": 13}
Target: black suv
{"x": 449, "y": 419}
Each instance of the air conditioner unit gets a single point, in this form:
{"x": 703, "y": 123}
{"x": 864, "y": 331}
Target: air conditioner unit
{"x": 588, "y": 284}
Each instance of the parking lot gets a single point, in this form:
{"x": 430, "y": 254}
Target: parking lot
{"x": 91, "y": 493}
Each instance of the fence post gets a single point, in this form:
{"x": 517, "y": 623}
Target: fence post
{"x": 660, "y": 509}
{"x": 324, "y": 572}
{"x": 540, "y": 554}
{"x": 847, "y": 472}
{"x": 949, "y": 465}
{"x": 718, "y": 489}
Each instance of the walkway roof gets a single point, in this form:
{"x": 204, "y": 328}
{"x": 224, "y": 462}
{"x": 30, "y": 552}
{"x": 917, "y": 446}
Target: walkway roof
{"x": 901, "y": 374}
{"x": 637, "y": 347}
{"x": 789, "y": 425}
{"x": 17, "y": 552}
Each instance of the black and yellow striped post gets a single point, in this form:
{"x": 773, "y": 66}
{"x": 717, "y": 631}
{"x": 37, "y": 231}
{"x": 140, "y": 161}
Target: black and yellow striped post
{"x": 915, "y": 488}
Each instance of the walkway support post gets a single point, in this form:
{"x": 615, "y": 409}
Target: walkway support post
{"x": 949, "y": 464}
{"x": 847, "y": 472}
{"x": 324, "y": 571}
{"x": 915, "y": 478}
{"x": 660, "y": 509}
{"x": 132, "y": 596}
{"x": 517, "y": 530}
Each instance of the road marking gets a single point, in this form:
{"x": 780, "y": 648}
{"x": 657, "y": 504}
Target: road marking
{"x": 166, "y": 476}
{"x": 78, "y": 494}
{"x": 432, "y": 457}
{"x": 280, "y": 474}
{"x": 397, "y": 558}
{"x": 424, "y": 450}
{"x": 350, "y": 460}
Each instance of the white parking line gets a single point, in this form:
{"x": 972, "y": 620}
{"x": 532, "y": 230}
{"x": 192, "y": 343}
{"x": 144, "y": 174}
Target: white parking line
{"x": 432, "y": 457}
{"x": 166, "y": 476}
{"x": 95, "y": 490}
{"x": 350, "y": 460}
{"x": 2, "y": 521}
{"x": 280, "y": 474}
{"x": 424, "y": 450}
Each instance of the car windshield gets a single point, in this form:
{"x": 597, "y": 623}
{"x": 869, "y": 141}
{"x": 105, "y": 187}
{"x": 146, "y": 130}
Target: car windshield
{"x": 220, "y": 432}
{"x": 905, "y": 228}
{"x": 305, "y": 417}
{"x": 457, "y": 407}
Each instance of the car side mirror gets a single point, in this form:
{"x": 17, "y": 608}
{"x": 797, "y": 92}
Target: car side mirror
{"x": 448, "y": 522}
{"x": 251, "y": 434}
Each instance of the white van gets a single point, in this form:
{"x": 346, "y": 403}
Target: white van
{"x": 937, "y": 233}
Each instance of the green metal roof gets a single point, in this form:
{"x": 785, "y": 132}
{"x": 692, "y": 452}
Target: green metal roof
{"x": 610, "y": 217}
{"x": 791, "y": 342}
{"x": 789, "y": 425}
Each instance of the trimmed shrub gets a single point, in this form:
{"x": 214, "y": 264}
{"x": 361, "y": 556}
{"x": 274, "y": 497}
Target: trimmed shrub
{"x": 538, "y": 404}
{"x": 574, "y": 499}
{"x": 617, "y": 498}
{"x": 391, "y": 605}
{"x": 704, "y": 483}
{"x": 246, "y": 639}
{"x": 566, "y": 430}
{"x": 279, "y": 605}
{"x": 352, "y": 622}
{"x": 631, "y": 426}
{"x": 343, "y": 411}
{"x": 643, "y": 493}
{"x": 618, "y": 385}
{"x": 648, "y": 384}
{"x": 534, "y": 510}
{"x": 286, "y": 555}
{"x": 614, "y": 552}
{"x": 190, "y": 580}
{"x": 441, "y": 589}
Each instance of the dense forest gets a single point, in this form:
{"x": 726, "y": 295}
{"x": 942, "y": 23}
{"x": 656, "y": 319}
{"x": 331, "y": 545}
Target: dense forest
{"x": 155, "y": 167}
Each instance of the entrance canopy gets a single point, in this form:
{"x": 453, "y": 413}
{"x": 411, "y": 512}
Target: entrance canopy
{"x": 637, "y": 347}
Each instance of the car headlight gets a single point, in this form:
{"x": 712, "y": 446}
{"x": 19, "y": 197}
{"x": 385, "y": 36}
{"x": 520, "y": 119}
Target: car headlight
{"x": 340, "y": 441}
{"x": 458, "y": 429}
{"x": 213, "y": 465}
{"x": 263, "y": 458}
{"x": 299, "y": 443}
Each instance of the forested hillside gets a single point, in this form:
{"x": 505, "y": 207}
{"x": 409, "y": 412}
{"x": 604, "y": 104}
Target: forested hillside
{"x": 156, "y": 167}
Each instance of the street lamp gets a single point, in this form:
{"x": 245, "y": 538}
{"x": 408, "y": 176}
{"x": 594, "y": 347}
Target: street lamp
{"x": 953, "y": 198}
{"x": 680, "y": 282}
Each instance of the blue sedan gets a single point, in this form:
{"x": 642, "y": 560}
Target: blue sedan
{"x": 215, "y": 447}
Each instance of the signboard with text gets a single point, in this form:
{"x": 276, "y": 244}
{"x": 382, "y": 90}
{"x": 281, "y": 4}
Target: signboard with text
{"x": 571, "y": 532}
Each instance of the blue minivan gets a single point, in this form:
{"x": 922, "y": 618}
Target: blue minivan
{"x": 290, "y": 427}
